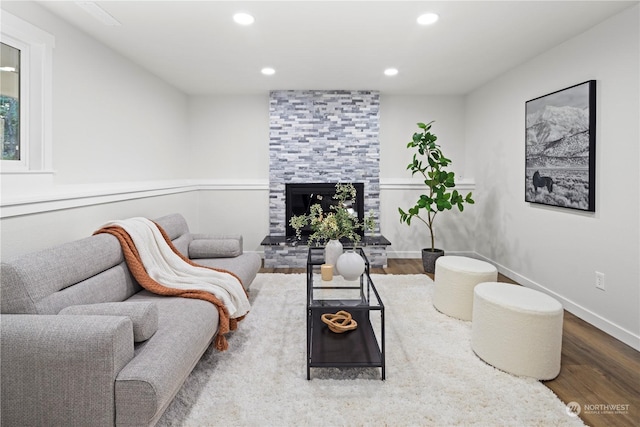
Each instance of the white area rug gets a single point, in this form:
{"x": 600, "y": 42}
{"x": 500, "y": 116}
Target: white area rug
{"x": 433, "y": 378}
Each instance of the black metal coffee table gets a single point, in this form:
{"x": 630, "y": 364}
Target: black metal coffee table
{"x": 361, "y": 347}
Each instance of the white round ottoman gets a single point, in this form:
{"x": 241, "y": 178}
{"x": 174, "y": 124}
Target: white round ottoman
{"x": 517, "y": 330}
{"x": 455, "y": 278}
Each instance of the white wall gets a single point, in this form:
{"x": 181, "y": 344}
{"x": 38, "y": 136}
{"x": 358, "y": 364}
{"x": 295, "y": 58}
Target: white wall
{"x": 243, "y": 210}
{"x": 398, "y": 117}
{"x": 229, "y": 135}
{"x": 559, "y": 250}
{"x": 28, "y": 233}
{"x": 114, "y": 124}
{"x": 112, "y": 120}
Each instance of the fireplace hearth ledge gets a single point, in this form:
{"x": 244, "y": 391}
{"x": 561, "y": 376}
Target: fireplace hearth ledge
{"x": 288, "y": 252}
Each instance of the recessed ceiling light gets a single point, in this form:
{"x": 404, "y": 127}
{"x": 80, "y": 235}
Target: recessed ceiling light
{"x": 268, "y": 71}
{"x": 427, "y": 18}
{"x": 243, "y": 19}
{"x": 390, "y": 71}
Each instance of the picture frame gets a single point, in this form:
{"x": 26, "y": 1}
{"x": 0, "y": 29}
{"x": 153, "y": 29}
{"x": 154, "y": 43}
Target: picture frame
{"x": 560, "y": 148}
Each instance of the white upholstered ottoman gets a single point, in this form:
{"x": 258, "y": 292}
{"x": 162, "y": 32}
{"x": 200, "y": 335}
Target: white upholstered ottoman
{"x": 455, "y": 278}
{"x": 517, "y": 330}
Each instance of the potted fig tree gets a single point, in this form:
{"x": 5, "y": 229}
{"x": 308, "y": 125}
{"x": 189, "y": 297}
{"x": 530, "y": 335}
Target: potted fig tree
{"x": 441, "y": 195}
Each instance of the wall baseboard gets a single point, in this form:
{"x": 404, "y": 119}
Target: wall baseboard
{"x": 583, "y": 313}
{"x": 418, "y": 254}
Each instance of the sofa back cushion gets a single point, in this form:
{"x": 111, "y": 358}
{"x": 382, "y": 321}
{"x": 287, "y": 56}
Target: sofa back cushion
{"x": 85, "y": 271}
{"x": 178, "y": 231}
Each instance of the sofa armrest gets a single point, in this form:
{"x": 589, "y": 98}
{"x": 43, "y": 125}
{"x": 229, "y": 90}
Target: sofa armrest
{"x": 215, "y": 246}
{"x": 61, "y": 370}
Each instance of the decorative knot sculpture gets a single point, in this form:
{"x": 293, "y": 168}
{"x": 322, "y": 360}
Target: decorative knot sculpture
{"x": 339, "y": 322}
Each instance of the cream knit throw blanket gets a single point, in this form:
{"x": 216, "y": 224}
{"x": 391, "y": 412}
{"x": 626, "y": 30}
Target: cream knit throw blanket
{"x": 170, "y": 273}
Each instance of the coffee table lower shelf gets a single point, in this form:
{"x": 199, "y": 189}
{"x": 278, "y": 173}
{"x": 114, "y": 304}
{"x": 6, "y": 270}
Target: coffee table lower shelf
{"x": 357, "y": 348}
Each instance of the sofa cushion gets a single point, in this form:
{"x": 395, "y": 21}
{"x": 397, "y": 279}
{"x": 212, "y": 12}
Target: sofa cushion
{"x": 218, "y": 247}
{"x": 245, "y": 266}
{"x": 46, "y": 281}
{"x": 178, "y": 231}
{"x": 174, "y": 225}
{"x": 144, "y": 315}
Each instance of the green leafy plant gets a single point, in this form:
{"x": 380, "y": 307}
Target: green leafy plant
{"x": 339, "y": 222}
{"x": 431, "y": 164}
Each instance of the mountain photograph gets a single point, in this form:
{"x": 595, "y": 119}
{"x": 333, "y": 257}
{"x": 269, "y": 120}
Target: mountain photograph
{"x": 559, "y": 148}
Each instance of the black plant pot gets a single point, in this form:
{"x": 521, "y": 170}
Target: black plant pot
{"x": 429, "y": 258}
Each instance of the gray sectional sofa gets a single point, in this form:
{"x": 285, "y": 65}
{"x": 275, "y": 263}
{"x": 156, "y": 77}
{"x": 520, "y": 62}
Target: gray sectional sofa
{"x": 83, "y": 344}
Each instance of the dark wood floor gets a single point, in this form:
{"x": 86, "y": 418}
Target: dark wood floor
{"x": 598, "y": 372}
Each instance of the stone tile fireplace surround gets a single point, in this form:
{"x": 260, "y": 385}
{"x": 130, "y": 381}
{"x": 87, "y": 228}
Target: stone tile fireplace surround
{"x": 321, "y": 136}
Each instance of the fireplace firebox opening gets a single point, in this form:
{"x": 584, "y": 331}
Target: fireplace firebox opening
{"x": 300, "y": 197}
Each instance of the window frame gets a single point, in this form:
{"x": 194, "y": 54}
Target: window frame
{"x": 36, "y": 88}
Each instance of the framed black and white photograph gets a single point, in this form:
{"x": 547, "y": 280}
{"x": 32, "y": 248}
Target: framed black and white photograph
{"x": 560, "y": 148}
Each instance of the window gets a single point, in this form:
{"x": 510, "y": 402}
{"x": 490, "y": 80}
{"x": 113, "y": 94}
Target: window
{"x": 10, "y": 102}
{"x": 25, "y": 97}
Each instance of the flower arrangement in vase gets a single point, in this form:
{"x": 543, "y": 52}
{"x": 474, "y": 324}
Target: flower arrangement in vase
{"x": 329, "y": 227}
{"x": 340, "y": 222}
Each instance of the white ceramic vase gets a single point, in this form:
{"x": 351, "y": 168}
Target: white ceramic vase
{"x": 332, "y": 250}
{"x": 351, "y": 265}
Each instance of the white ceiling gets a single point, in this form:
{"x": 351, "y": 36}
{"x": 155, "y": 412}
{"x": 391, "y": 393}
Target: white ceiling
{"x": 196, "y": 46}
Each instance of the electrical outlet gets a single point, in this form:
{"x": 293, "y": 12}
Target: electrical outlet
{"x": 600, "y": 280}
